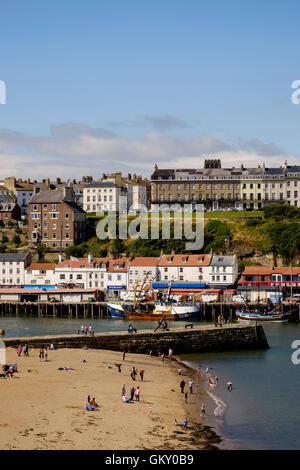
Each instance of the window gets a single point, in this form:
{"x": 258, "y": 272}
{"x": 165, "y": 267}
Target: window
{"x": 54, "y": 216}
{"x": 62, "y": 276}
{"x": 54, "y": 207}
{"x": 67, "y": 215}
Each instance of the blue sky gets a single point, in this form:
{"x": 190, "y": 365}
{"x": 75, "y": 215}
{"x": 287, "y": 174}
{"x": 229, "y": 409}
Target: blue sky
{"x": 99, "y": 85}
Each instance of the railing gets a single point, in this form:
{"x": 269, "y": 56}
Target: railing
{"x": 270, "y": 283}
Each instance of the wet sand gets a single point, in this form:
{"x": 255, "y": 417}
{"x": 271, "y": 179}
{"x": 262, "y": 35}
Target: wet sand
{"x": 44, "y": 408}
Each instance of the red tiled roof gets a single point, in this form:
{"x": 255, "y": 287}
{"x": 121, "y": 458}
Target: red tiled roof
{"x": 109, "y": 262}
{"x": 145, "y": 261}
{"x": 42, "y": 266}
{"x": 191, "y": 260}
{"x": 253, "y": 270}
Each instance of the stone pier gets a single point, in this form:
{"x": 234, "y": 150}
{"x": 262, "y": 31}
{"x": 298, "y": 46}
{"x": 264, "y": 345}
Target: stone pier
{"x": 182, "y": 340}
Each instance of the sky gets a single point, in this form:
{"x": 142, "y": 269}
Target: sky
{"x": 94, "y": 86}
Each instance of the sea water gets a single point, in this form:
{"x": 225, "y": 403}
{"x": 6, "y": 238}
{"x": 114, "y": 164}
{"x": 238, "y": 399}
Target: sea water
{"x": 263, "y": 409}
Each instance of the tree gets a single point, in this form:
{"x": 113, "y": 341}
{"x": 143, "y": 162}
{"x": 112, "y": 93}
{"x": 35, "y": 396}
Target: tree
{"x": 41, "y": 251}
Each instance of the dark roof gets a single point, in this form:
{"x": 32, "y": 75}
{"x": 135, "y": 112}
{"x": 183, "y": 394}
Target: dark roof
{"x": 75, "y": 207}
{"x": 48, "y": 196}
{"x": 12, "y": 256}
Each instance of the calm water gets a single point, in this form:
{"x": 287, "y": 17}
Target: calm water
{"x": 262, "y": 411}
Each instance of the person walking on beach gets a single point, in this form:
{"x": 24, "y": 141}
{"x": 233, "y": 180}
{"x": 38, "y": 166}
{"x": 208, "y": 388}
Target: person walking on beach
{"x": 191, "y": 385}
{"x": 123, "y": 390}
{"x": 41, "y": 354}
{"x": 19, "y": 350}
{"x": 185, "y": 397}
{"x": 203, "y": 409}
{"x": 124, "y": 354}
{"x": 137, "y": 394}
{"x": 46, "y": 355}
{"x": 133, "y": 373}
{"x": 85, "y": 330}
{"x": 132, "y": 390}
{"x": 185, "y": 422}
{"x": 175, "y": 424}
{"x": 182, "y": 385}
{"x": 170, "y": 352}
{"x": 162, "y": 357}
{"x": 82, "y": 329}
{"x": 142, "y": 374}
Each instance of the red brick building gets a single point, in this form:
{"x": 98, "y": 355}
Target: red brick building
{"x": 10, "y": 211}
{"x": 55, "y": 220}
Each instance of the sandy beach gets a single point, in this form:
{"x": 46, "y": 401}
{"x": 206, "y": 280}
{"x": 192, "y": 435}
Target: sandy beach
{"x": 43, "y": 407}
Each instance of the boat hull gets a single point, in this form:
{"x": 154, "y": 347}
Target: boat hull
{"x": 279, "y": 317}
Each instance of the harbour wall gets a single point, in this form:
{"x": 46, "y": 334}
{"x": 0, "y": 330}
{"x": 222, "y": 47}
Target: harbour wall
{"x": 180, "y": 340}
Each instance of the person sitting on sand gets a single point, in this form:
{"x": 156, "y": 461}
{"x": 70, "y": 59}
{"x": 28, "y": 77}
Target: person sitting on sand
{"x": 125, "y": 399}
{"x": 93, "y": 403}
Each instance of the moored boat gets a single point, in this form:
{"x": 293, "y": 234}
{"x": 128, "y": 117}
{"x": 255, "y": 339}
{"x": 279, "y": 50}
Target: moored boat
{"x": 267, "y": 316}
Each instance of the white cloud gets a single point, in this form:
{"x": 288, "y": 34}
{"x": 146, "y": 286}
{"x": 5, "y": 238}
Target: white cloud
{"x": 73, "y": 150}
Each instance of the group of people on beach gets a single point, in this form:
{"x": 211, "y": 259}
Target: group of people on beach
{"x": 84, "y": 330}
{"x": 23, "y": 348}
{"x": 91, "y": 404}
{"x": 43, "y": 353}
{"x": 9, "y": 370}
{"x": 134, "y": 392}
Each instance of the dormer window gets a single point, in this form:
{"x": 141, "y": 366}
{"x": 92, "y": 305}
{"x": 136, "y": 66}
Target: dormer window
{"x": 183, "y": 260}
{"x": 200, "y": 260}
{"x": 169, "y": 260}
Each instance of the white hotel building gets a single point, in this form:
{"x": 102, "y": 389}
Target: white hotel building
{"x": 101, "y": 197}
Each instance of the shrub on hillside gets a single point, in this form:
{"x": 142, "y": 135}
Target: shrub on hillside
{"x": 283, "y": 211}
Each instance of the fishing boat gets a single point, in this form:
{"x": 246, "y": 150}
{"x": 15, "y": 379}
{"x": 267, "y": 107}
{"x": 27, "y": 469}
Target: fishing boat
{"x": 176, "y": 311}
{"x": 266, "y": 316}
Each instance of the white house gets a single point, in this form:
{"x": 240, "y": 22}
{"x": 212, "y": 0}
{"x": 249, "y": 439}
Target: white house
{"x": 41, "y": 274}
{"x": 100, "y": 273}
{"x": 223, "y": 270}
{"x": 184, "y": 268}
{"x": 142, "y": 269}
{"x": 12, "y": 268}
{"x": 101, "y": 196}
